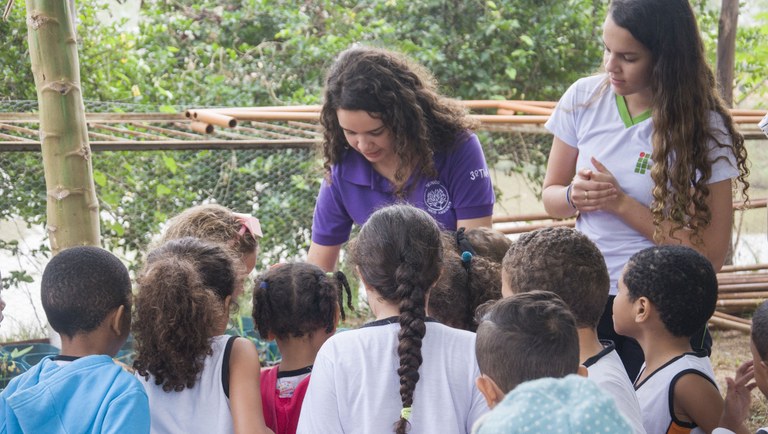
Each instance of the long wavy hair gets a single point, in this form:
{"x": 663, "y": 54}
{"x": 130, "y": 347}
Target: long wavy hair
{"x": 179, "y": 307}
{"x": 401, "y": 93}
{"x": 398, "y": 252}
{"x": 684, "y": 96}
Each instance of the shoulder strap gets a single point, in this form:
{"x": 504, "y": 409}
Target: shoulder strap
{"x": 225, "y": 365}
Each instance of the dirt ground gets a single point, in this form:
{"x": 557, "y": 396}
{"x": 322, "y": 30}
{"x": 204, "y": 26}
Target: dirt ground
{"x": 729, "y": 350}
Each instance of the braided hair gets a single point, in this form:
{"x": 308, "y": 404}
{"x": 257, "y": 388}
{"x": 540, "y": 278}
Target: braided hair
{"x": 399, "y": 254}
{"x": 295, "y": 299}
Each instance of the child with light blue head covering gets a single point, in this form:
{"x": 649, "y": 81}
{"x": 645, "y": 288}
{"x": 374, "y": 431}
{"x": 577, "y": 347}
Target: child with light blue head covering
{"x": 568, "y": 405}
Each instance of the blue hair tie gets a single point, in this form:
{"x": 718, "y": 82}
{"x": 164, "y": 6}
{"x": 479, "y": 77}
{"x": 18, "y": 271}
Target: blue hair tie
{"x": 466, "y": 256}
{"x": 263, "y": 285}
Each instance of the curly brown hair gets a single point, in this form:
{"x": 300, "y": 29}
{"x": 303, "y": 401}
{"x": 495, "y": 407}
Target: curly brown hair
{"x": 211, "y": 222}
{"x": 398, "y": 252}
{"x": 489, "y": 243}
{"x": 179, "y": 307}
{"x": 401, "y": 93}
{"x": 462, "y": 288}
{"x": 684, "y": 97}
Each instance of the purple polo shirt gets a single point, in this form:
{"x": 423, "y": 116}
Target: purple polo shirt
{"x": 462, "y": 190}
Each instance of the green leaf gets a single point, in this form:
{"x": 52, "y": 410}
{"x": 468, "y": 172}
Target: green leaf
{"x": 99, "y": 178}
{"x": 170, "y": 163}
{"x": 162, "y": 190}
{"x": 527, "y": 39}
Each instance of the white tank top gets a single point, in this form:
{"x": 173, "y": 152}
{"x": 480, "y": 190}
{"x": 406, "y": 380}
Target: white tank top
{"x": 654, "y": 393}
{"x": 203, "y": 408}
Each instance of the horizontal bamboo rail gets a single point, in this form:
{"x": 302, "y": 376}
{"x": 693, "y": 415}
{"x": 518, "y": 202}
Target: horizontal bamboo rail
{"x": 720, "y": 321}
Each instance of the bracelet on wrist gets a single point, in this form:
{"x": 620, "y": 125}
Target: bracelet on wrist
{"x": 568, "y": 196}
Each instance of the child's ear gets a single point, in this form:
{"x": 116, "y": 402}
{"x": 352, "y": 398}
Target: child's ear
{"x": 490, "y": 390}
{"x": 583, "y": 371}
{"x": 227, "y": 302}
{"x": 642, "y": 309}
{"x": 117, "y": 322}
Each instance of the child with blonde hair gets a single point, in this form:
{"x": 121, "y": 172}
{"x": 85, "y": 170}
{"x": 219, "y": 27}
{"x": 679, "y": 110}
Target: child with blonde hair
{"x": 211, "y": 222}
{"x": 198, "y": 379}
{"x": 298, "y": 305}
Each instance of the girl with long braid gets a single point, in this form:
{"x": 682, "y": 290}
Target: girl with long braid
{"x": 354, "y": 389}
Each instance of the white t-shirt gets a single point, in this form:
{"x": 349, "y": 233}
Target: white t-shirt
{"x": 202, "y": 409}
{"x": 655, "y": 392}
{"x": 355, "y": 387}
{"x": 598, "y": 125}
{"x": 607, "y": 371}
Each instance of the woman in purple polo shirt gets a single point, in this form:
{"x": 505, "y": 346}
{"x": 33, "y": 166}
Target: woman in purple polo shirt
{"x": 390, "y": 137}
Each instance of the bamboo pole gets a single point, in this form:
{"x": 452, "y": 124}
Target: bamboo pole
{"x": 72, "y": 205}
{"x": 201, "y": 127}
{"x": 214, "y": 118}
{"x": 729, "y": 325}
{"x": 745, "y": 302}
{"x": 734, "y": 318}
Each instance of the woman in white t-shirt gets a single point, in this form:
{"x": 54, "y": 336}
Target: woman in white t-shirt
{"x": 646, "y": 152}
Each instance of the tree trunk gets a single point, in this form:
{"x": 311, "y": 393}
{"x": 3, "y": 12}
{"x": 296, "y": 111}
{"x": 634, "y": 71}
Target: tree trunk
{"x": 726, "y": 48}
{"x": 73, "y": 208}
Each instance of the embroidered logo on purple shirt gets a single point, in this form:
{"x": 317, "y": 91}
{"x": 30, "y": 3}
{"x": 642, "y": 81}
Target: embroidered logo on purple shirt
{"x": 436, "y": 197}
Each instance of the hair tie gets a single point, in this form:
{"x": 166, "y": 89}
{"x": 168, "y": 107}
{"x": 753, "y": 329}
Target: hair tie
{"x": 263, "y": 285}
{"x": 248, "y": 223}
{"x": 405, "y": 413}
{"x": 463, "y": 242}
{"x": 466, "y": 256}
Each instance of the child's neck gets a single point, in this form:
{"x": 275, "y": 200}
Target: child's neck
{"x": 589, "y": 344}
{"x": 82, "y": 345}
{"x": 300, "y": 352}
{"x": 660, "y": 347}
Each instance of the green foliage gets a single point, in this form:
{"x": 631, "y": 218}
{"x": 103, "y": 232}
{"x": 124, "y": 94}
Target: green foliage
{"x": 273, "y": 52}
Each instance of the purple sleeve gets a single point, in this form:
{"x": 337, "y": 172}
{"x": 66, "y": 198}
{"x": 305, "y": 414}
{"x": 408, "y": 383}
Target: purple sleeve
{"x": 331, "y": 223}
{"x": 469, "y": 181}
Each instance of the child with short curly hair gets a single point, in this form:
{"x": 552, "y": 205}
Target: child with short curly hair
{"x": 298, "y": 305}
{"x": 666, "y": 294}
{"x": 86, "y": 295}
{"x": 198, "y": 379}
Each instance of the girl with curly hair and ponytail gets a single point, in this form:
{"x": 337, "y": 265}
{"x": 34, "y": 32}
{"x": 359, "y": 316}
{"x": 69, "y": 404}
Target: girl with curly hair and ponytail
{"x": 404, "y": 371}
{"x": 198, "y": 379}
{"x": 298, "y": 305}
{"x": 389, "y": 136}
{"x": 646, "y": 152}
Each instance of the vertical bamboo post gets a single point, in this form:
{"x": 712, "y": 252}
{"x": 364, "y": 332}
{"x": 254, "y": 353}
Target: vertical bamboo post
{"x": 72, "y": 205}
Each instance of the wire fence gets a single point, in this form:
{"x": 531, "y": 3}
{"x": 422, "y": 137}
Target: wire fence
{"x": 139, "y": 190}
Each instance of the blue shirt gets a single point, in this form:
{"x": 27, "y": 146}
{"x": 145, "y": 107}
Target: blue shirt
{"x": 89, "y": 395}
